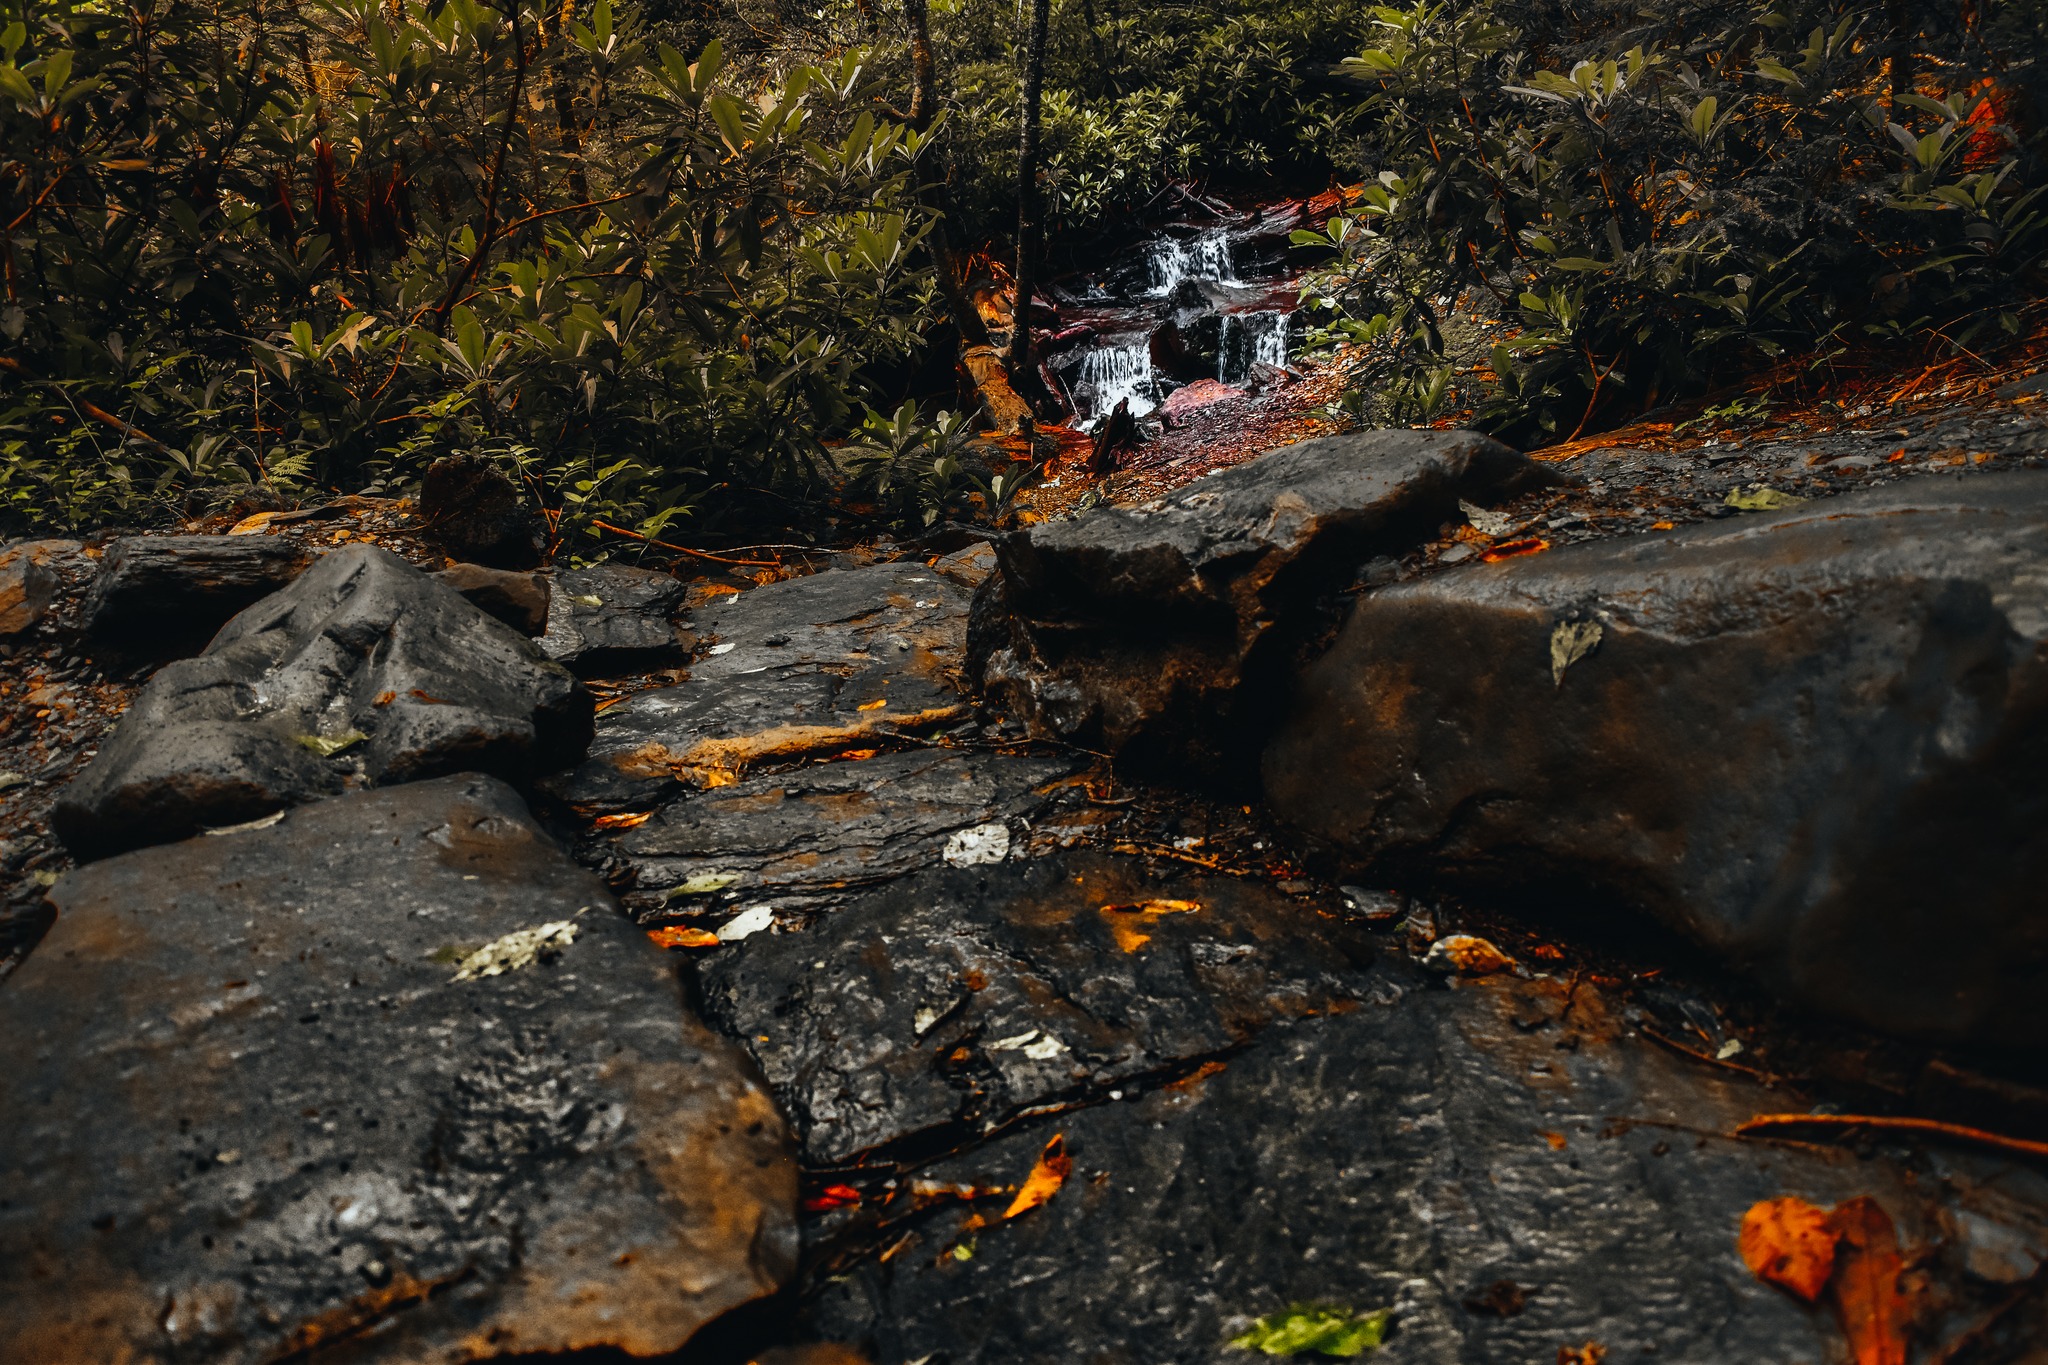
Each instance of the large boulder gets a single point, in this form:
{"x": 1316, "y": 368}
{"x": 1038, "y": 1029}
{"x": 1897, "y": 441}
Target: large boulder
{"x": 1162, "y": 629}
{"x": 390, "y": 1076}
{"x": 1811, "y": 741}
{"x": 805, "y": 667}
{"x": 161, "y": 595}
{"x": 364, "y": 669}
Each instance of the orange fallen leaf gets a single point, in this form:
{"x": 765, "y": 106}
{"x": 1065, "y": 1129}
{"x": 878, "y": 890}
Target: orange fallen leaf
{"x": 1128, "y": 921}
{"x": 385, "y": 699}
{"x": 1896, "y": 456}
{"x": 626, "y": 821}
{"x": 1791, "y": 1244}
{"x": 877, "y": 704}
{"x": 831, "y": 1197}
{"x": 1193, "y": 1080}
{"x": 1663, "y": 525}
{"x": 1592, "y": 1353}
{"x": 1557, "y": 1141}
{"x": 680, "y": 936}
{"x": 1514, "y": 549}
{"x": 1048, "y": 1173}
{"x": 855, "y": 755}
{"x": 1873, "y": 1312}
{"x": 419, "y": 695}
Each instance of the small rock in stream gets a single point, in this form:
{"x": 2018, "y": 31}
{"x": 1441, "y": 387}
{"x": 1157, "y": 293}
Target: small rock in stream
{"x": 390, "y": 1076}
{"x": 612, "y": 617}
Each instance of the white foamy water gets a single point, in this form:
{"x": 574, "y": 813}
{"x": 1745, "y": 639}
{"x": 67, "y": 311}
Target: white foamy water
{"x": 1205, "y": 257}
{"x": 1108, "y": 375}
{"x": 1250, "y": 339}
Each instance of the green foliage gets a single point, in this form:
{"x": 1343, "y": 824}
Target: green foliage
{"x": 316, "y": 249}
{"x": 921, "y": 471}
{"x": 1739, "y": 183}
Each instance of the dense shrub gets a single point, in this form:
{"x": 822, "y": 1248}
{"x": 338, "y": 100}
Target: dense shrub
{"x": 1647, "y": 204}
{"x": 316, "y": 248}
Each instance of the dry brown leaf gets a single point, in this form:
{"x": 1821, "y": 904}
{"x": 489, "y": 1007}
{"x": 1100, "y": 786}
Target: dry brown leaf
{"x": 1873, "y": 1312}
{"x": 1128, "y": 921}
{"x": 628, "y": 820}
{"x": 1791, "y": 1244}
{"x": 1048, "y": 1173}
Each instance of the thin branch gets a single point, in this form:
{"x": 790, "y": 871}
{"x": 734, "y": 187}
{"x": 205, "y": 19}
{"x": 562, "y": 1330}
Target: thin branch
{"x": 1765, "y": 1125}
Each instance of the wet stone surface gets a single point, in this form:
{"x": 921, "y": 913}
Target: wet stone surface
{"x": 792, "y": 669}
{"x": 267, "y": 1096}
{"x": 1413, "y": 1154}
{"x": 809, "y": 837}
{"x": 364, "y": 669}
{"x": 952, "y": 1002}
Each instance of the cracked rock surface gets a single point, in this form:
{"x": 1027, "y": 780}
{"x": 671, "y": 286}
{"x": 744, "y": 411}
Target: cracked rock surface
{"x": 391, "y": 1075}
{"x": 954, "y": 1001}
{"x": 795, "y": 668}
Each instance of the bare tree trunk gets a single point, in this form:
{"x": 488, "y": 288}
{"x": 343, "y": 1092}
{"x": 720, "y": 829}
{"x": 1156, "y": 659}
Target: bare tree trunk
{"x": 1027, "y": 192}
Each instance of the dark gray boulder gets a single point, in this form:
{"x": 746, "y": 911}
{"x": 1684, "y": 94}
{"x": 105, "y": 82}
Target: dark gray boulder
{"x": 364, "y": 669}
{"x": 1160, "y": 629}
{"x": 521, "y": 600}
{"x": 1811, "y": 741}
{"x": 612, "y": 616}
{"x": 389, "y": 1078}
{"x": 803, "y": 667}
{"x": 163, "y": 595}
{"x": 950, "y": 1003}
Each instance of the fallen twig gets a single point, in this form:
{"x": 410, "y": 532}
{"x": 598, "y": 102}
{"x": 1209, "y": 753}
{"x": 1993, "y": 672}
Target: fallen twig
{"x": 684, "y": 549}
{"x": 1769, "y": 1124}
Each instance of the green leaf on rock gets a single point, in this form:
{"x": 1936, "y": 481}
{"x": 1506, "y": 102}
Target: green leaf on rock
{"x": 1330, "y": 1331}
{"x": 1757, "y": 498}
{"x": 327, "y": 746}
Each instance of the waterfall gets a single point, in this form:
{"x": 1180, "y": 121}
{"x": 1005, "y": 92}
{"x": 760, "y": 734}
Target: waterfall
{"x": 1250, "y": 339}
{"x": 1106, "y": 375}
{"x": 1204, "y": 257}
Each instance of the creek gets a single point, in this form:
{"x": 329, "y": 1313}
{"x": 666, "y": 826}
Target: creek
{"x": 1186, "y": 303}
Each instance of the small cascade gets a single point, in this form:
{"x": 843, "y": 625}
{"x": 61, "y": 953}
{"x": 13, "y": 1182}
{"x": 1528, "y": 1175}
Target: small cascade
{"x": 1251, "y": 339}
{"x": 1107, "y": 375}
{"x": 1203, "y": 257}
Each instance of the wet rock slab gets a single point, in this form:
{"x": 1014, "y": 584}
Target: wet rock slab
{"x": 363, "y": 669}
{"x": 810, "y": 837}
{"x": 793, "y": 668}
{"x": 159, "y": 595}
{"x": 1811, "y": 741}
{"x": 612, "y": 616}
{"x": 1410, "y": 1154}
{"x": 252, "y": 1109}
{"x": 1143, "y": 624}
{"x": 951, "y": 1003}
{"x": 29, "y": 580}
